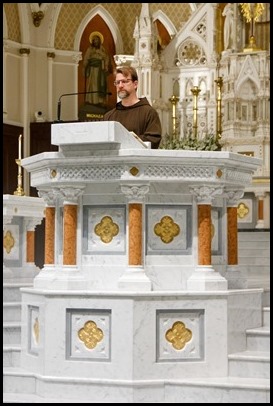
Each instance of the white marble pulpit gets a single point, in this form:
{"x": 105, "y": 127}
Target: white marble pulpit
{"x": 141, "y": 254}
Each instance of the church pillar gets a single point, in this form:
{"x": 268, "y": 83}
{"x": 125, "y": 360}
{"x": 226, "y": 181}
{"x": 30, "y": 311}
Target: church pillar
{"x": 50, "y": 199}
{"x": 70, "y": 234}
{"x": 204, "y": 277}
{"x": 135, "y": 234}
{"x": 134, "y": 277}
{"x": 235, "y": 276}
{"x": 70, "y": 213}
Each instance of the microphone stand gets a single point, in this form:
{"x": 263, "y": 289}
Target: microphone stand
{"x": 73, "y": 94}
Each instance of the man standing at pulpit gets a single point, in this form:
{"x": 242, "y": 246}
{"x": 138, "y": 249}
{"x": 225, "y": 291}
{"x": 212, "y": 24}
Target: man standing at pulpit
{"x": 134, "y": 113}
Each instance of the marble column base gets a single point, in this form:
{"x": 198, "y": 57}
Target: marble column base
{"x": 205, "y": 278}
{"x": 260, "y": 224}
{"x": 236, "y": 277}
{"x": 63, "y": 278}
{"x": 135, "y": 279}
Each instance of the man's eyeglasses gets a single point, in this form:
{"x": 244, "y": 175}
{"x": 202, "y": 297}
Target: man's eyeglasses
{"x": 123, "y": 81}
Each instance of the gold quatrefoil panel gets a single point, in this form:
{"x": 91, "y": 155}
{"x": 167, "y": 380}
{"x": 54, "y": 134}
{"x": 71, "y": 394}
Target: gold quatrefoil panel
{"x": 167, "y": 229}
{"x": 90, "y": 334}
{"x": 242, "y": 210}
{"x": 106, "y": 229}
{"x": 178, "y": 335}
{"x": 9, "y": 242}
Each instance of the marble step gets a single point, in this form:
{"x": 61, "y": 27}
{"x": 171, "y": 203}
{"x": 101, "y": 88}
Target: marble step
{"x": 266, "y": 316}
{"x": 266, "y": 297}
{"x": 11, "y": 356}
{"x": 250, "y": 258}
{"x": 198, "y": 390}
{"x": 25, "y": 398}
{"x": 11, "y": 333}
{"x": 249, "y": 364}
{"x": 12, "y": 293}
{"x": 11, "y": 311}
{"x": 254, "y": 236}
{"x": 258, "y": 339}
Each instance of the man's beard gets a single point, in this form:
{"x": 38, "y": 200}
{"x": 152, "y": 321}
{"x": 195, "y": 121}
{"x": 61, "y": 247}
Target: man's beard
{"x": 122, "y": 94}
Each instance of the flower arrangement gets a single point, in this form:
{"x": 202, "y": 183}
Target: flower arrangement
{"x": 208, "y": 143}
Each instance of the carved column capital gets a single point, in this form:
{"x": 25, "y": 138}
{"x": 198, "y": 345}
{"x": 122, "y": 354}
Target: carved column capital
{"x": 69, "y": 195}
{"x": 49, "y": 196}
{"x": 233, "y": 196}
{"x": 135, "y": 193}
{"x": 7, "y": 220}
{"x": 31, "y": 223}
{"x": 206, "y": 194}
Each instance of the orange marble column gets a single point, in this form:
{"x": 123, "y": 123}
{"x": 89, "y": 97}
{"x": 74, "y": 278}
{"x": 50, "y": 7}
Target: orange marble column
{"x": 30, "y": 246}
{"x": 49, "y": 235}
{"x": 70, "y": 234}
{"x": 260, "y": 208}
{"x": 204, "y": 234}
{"x": 232, "y": 236}
{"x": 135, "y": 234}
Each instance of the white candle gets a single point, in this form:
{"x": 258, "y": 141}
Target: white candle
{"x": 20, "y": 146}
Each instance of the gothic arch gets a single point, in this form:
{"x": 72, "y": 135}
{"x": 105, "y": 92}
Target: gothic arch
{"x": 159, "y": 15}
{"x": 100, "y": 10}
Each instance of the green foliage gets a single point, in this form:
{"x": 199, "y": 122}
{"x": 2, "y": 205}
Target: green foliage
{"x": 207, "y": 143}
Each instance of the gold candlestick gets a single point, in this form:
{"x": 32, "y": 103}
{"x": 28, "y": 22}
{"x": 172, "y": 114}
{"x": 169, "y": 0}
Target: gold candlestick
{"x": 219, "y": 82}
{"x": 19, "y": 191}
{"x": 174, "y": 99}
{"x": 195, "y": 91}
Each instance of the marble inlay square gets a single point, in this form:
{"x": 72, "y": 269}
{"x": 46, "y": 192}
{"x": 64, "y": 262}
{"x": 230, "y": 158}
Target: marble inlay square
{"x": 11, "y": 243}
{"x": 245, "y": 211}
{"x": 216, "y": 240}
{"x": 88, "y": 335}
{"x": 168, "y": 229}
{"x": 34, "y": 329}
{"x": 180, "y": 335}
{"x": 104, "y": 229}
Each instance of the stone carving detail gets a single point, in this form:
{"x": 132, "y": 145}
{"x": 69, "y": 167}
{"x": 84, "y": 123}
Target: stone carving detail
{"x": 135, "y": 193}
{"x": 31, "y": 223}
{"x": 201, "y": 28}
{"x": 243, "y": 178}
{"x": 71, "y": 194}
{"x": 92, "y": 172}
{"x": 49, "y": 196}
{"x": 191, "y": 54}
{"x": 206, "y": 194}
{"x": 233, "y": 196}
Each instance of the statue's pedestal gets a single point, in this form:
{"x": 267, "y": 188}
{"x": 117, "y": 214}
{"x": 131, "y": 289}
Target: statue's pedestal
{"x": 136, "y": 299}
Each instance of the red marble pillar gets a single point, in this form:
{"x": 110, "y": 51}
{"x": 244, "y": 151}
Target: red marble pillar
{"x": 70, "y": 234}
{"x": 49, "y": 235}
{"x": 232, "y": 236}
{"x": 135, "y": 234}
{"x": 204, "y": 234}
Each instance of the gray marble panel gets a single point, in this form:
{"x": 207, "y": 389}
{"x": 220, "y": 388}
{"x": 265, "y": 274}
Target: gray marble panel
{"x": 92, "y": 242}
{"x": 181, "y": 216}
{"x": 95, "y": 342}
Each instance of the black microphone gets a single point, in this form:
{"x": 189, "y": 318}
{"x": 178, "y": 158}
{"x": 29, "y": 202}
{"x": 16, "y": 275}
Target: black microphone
{"x": 73, "y": 94}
